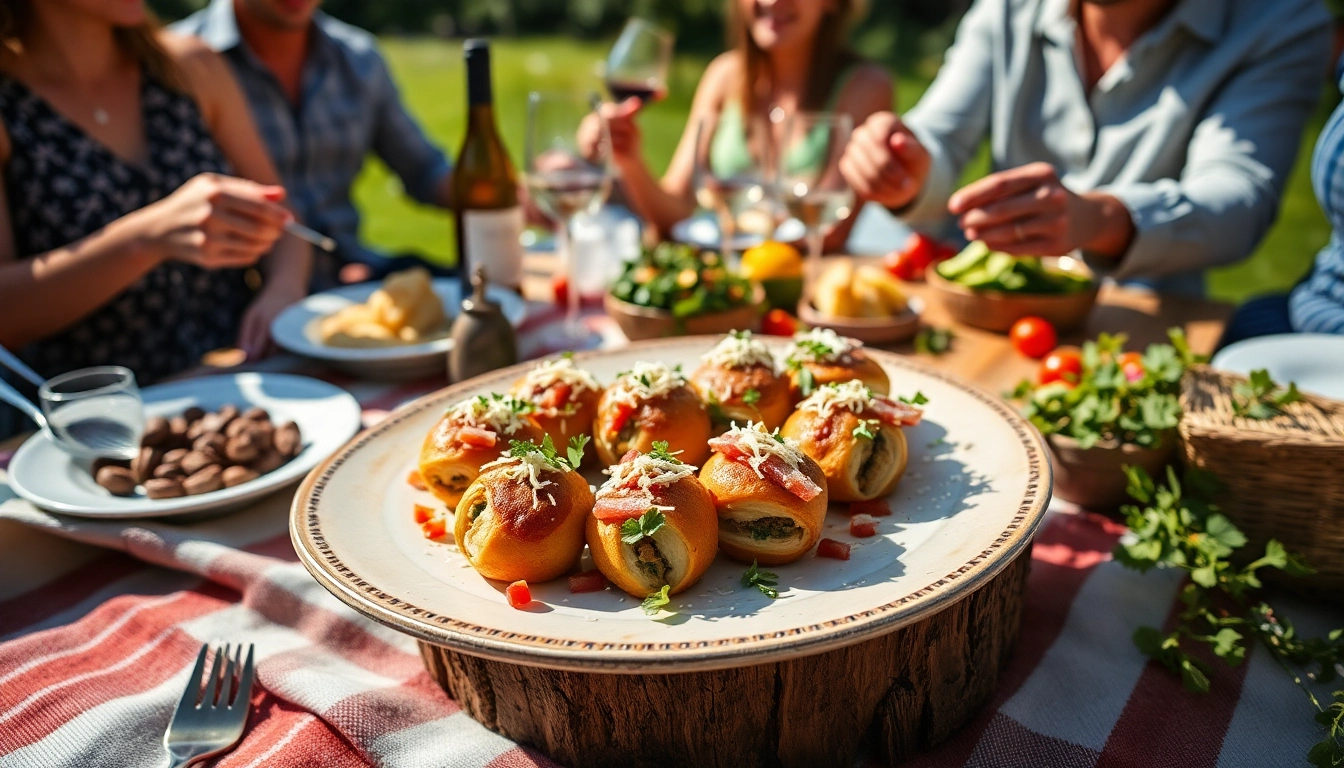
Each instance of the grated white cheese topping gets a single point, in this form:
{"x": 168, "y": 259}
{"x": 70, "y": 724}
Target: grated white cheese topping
{"x": 740, "y": 350}
{"x": 560, "y": 369}
{"x": 808, "y": 346}
{"x": 498, "y": 412}
{"x": 755, "y": 439}
{"x": 528, "y": 467}
{"x": 648, "y": 471}
{"x": 645, "y": 381}
{"x": 852, "y": 395}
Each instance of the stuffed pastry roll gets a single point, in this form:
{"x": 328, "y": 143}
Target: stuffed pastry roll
{"x": 472, "y": 432}
{"x": 648, "y": 403}
{"x": 564, "y": 398}
{"x": 738, "y": 381}
{"x": 821, "y": 356}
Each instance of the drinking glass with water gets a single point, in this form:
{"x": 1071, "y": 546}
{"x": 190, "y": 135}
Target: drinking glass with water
{"x": 94, "y": 412}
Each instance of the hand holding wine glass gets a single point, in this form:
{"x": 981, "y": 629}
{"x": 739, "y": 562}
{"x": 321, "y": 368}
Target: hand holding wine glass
{"x": 638, "y": 63}
{"x": 566, "y": 174}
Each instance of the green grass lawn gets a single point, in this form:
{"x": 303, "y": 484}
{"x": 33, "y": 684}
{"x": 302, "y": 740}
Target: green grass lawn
{"x": 430, "y": 74}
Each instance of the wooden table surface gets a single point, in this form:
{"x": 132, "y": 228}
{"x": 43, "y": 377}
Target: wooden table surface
{"x": 29, "y": 558}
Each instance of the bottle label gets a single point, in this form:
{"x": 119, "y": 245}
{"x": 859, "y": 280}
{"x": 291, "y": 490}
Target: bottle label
{"x": 491, "y": 241}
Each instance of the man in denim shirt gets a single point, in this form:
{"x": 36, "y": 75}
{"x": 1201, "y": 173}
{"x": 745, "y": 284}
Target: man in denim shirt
{"x": 322, "y": 99}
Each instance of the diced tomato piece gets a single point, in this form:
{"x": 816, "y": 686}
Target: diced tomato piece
{"x": 621, "y": 413}
{"x": 423, "y": 514}
{"x": 774, "y": 469}
{"x": 833, "y": 549}
{"x": 475, "y": 436}
{"x": 618, "y": 509}
{"x": 556, "y": 396}
{"x": 895, "y": 413}
{"x": 863, "y": 526}
{"x": 416, "y": 481}
{"x": 871, "y": 507}
{"x": 434, "y": 529}
{"x": 588, "y": 581}
{"x": 518, "y": 593}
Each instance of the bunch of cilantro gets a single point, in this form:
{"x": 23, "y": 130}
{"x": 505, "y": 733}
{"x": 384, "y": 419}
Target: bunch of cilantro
{"x": 1106, "y": 405}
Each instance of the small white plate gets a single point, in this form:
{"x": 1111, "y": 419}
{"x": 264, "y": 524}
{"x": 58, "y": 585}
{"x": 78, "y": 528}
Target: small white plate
{"x": 1314, "y": 361}
{"x": 295, "y": 330}
{"x": 703, "y": 230}
{"x": 326, "y": 414}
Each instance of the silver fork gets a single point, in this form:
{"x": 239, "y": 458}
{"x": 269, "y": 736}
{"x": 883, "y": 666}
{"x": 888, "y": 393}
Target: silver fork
{"x": 210, "y": 722}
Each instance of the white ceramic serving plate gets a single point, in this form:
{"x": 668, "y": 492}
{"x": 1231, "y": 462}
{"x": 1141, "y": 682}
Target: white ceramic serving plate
{"x": 295, "y": 330}
{"x": 977, "y": 486}
{"x": 1314, "y": 361}
{"x": 327, "y": 416}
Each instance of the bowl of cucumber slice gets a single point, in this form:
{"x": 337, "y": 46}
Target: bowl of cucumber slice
{"x": 988, "y": 289}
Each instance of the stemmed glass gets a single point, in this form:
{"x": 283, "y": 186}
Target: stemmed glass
{"x": 733, "y": 192}
{"x": 808, "y": 173}
{"x": 566, "y": 176}
{"x": 638, "y": 62}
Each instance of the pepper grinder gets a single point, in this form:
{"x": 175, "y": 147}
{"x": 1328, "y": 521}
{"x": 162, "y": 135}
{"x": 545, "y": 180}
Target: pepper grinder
{"x": 483, "y": 339}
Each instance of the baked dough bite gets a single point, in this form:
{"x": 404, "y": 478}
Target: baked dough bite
{"x": 473, "y": 432}
{"x": 770, "y": 496}
{"x": 651, "y": 402}
{"x": 653, "y": 524}
{"x": 738, "y": 381}
{"x": 822, "y": 356}
{"x": 523, "y": 517}
{"x": 564, "y": 398}
{"x": 856, "y": 436}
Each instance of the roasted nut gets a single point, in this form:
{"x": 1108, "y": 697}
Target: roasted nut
{"x": 226, "y": 414}
{"x": 238, "y": 475}
{"x": 117, "y": 480}
{"x": 178, "y": 427}
{"x": 195, "y": 461}
{"x": 156, "y": 432}
{"x": 99, "y": 463}
{"x": 163, "y": 488}
{"x": 263, "y": 434}
{"x": 175, "y": 456}
{"x": 142, "y": 466}
{"x": 206, "y": 480}
{"x": 238, "y": 426}
{"x": 287, "y": 440}
{"x": 242, "y": 449}
{"x": 214, "y": 441}
{"x": 173, "y": 470}
{"x": 269, "y": 462}
{"x": 256, "y": 413}
{"x": 194, "y": 413}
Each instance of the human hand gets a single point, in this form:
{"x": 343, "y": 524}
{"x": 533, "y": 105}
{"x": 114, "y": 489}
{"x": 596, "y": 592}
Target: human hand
{"x": 621, "y": 127}
{"x": 1027, "y": 211}
{"x": 884, "y": 162}
{"x": 254, "y": 334}
{"x": 216, "y": 222}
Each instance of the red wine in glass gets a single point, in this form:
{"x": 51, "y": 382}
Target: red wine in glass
{"x": 647, "y": 91}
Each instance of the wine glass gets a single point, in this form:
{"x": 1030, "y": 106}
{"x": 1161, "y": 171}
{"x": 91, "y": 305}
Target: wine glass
{"x": 731, "y": 193}
{"x": 808, "y": 171}
{"x": 563, "y": 179}
{"x": 638, "y": 62}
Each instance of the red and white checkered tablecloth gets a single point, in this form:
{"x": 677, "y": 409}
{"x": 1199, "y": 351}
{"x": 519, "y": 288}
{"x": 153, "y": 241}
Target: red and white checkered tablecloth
{"x": 92, "y": 662}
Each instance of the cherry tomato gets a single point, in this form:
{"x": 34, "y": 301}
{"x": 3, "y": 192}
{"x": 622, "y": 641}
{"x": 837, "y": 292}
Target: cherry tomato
{"x": 863, "y": 526}
{"x": 1131, "y": 364}
{"x": 588, "y": 581}
{"x": 1033, "y": 336}
{"x": 838, "y": 550}
{"x": 777, "y": 322}
{"x": 560, "y": 288}
{"x": 913, "y": 258}
{"x": 1064, "y": 364}
{"x": 518, "y": 593}
{"x": 872, "y": 508}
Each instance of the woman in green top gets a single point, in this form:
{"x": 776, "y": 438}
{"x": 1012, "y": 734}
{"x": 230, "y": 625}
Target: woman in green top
{"x": 789, "y": 55}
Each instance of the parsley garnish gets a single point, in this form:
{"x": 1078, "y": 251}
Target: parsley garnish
{"x": 660, "y": 451}
{"x": 917, "y": 399}
{"x": 763, "y": 580}
{"x": 656, "y": 601}
{"x": 751, "y": 397}
{"x": 933, "y": 341}
{"x": 519, "y": 449}
{"x": 806, "y": 383}
{"x": 865, "y": 429}
{"x": 636, "y": 528}
{"x": 1256, "y": 397}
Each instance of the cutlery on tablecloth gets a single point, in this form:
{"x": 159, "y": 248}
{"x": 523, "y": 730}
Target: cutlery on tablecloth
{"x": 210, "y": 722}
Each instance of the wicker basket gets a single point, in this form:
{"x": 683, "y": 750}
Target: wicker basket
{"x": 1282, "y": 478}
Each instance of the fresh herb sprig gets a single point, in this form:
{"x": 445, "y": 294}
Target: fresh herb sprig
{"x": 1174, "y": 526}
{"x": 1107, "y": 404}
{"x": 657, "y": 602}
{"x": 647, "y": 524}
{"x": 660, "y": 451}
{"x": 765, "y": 581}
{"x": 933, "y": 341}
{"x": 866, "y": 428}
{"x": 1259, "y": 397}
{"x": 918, "y": 398}
{"x": 574, "y": 452}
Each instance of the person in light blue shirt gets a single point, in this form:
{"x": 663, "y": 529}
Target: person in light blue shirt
{"x": 1316, "y": 305}
{"x": 1153, "y": 135}
{"x": 323, "y": 99}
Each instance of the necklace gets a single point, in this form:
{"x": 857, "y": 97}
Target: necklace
{"x": 100, "y": 116}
